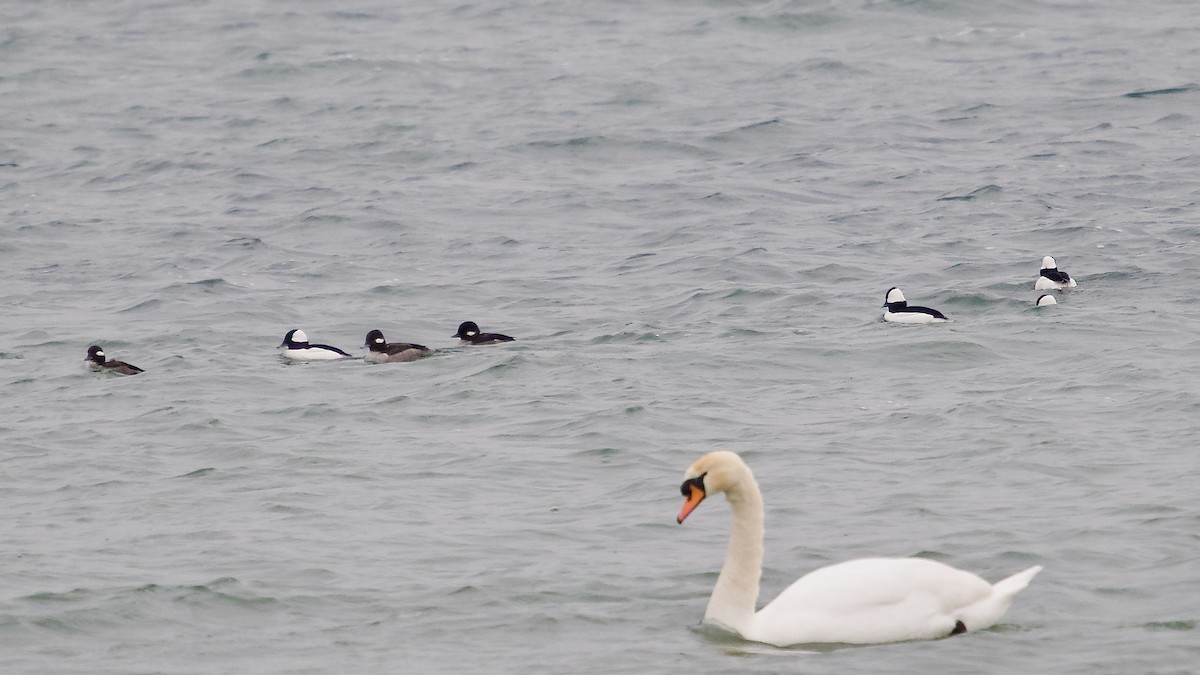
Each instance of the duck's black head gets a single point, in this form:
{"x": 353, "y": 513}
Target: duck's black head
{"x": 466, "y": 330}
{"x": 95, "y": 355}
{"x": 375, "y": 341}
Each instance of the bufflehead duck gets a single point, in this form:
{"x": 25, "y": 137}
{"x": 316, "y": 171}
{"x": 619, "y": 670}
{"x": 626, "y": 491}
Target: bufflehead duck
{"x": 899, "y": 311}
{"x": 382, "y": 351}
{"x": 1045, "y": 300}
{"x": 98, "y": 363}
{"x": 1052, "y": 278}
{"x": 296, "y": 346}
{"x": 468, "y": 333}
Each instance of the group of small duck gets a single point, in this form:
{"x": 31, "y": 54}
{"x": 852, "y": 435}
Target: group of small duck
{"x": 297, "y": 348}
{"x": 899, "y": 311}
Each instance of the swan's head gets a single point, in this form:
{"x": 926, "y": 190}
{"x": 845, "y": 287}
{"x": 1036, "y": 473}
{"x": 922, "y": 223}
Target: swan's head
{"x": 715, "y": 472}
{"x": 1049, "y": 264}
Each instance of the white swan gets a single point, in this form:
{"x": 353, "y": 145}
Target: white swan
{"x": 865, "y": 601}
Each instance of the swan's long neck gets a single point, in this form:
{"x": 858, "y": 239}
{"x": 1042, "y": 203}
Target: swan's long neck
{"x": 734, "y": 596}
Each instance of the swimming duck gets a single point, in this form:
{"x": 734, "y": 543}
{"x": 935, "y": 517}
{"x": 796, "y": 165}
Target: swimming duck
{"x": 296, "y": 346}
{"x": 899, "y": 311}
{"x": 381, "y": 351}
{"x": 468, "y": 334}
{"x": 98, "y": 363}
{"x": 1051, "y": 278}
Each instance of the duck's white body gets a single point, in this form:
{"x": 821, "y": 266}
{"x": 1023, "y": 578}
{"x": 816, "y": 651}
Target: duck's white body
{"x": 1044, "y": 284}
{"x": 865, "y": 601}
{"x": 910, "y": 316}
{"x": 314, "y": 353}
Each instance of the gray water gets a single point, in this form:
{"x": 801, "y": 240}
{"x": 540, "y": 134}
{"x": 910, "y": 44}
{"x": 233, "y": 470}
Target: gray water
{"x": 688, "y": 214}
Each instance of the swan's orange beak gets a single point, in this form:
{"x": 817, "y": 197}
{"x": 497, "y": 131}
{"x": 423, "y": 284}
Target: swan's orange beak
{"x": 691, "y": 502}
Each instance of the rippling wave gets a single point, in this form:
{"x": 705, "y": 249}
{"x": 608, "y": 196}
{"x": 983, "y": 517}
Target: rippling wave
{"x": 688, "y": 215}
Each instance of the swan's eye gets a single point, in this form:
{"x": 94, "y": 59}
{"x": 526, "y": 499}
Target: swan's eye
{"x": 698, "y": 481}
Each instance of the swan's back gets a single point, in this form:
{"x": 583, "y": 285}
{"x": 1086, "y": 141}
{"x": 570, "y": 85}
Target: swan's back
{"x": 876, "y": 600}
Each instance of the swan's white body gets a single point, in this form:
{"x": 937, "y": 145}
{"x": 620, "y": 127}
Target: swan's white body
{"x": 865, "y": 601}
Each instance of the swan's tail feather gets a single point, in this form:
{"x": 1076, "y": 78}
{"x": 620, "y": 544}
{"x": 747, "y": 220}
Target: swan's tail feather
{"x": 1010, "y": 586}
{"x": 988, "y": 611}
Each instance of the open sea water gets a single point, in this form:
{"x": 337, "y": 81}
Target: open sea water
{"x": 688, "y": 213}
